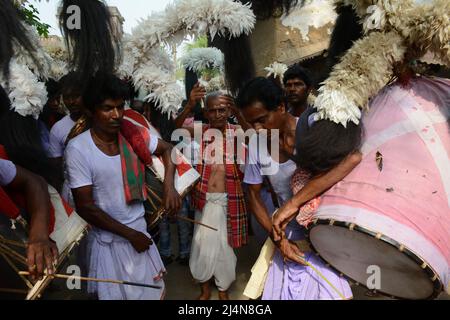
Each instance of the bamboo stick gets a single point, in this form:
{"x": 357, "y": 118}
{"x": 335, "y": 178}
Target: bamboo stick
{"x": 66, "y": 276}
{"x": 195, "y": 221}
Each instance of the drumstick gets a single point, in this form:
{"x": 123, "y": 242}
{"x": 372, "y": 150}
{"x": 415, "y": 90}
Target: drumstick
{"x": 66, "y": 276}
{"x": 195, "y": 221}
{"x": 323, "y": 277}
{"x": 12, "y": 242}
{"x": 18, "y": 291}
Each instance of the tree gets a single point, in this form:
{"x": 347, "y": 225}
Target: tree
{"x": 30, "y": 15}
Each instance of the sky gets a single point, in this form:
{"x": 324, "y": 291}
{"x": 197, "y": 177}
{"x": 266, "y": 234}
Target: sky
{"x": 131, "y": 10}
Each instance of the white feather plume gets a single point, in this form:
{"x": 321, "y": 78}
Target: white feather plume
{"x": 276, "y": 69}
{"x": 199, "y": 59}
{"x": 192, "y": 17}
{"x": 27, "y": 95}
{"x": 156, "y": 76}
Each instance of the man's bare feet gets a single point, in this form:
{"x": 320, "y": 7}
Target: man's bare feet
{"x": 206, "y": 291}
{"x": 223, "y": 295}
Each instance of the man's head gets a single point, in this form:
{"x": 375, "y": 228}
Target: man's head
{"x": 297, "y": 84}
{"x": 71, "y": 91}
{"x": 53, "y": 93}
{"x": 105, "y": 99}
{"x": 261, "y": 101}
{"x": 216, "y": 113}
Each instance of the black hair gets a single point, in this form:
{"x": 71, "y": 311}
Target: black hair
{"x": 12, "y": 33}
{"x": 265, "y": 9}
{"x": 92, "y": 47}
{"x": 324, "y": 145}
{"x": 49, "y": 116}
{"x": 262, "y": 90}
{"x": 297, "y": 71}
{"x": 71, "y": 84}
{"x": 239, "y": 64}
{"x": 53, "y": 88}
{"x": 346, "y": 31}
{"x": 111, "y": 87}
{"x": 4, "y": 101}
{"x": 161, "y": 122}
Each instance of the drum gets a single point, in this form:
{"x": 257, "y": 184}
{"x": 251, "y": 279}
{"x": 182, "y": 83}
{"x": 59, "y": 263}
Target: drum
{"x": 67, "y": 229}
{"x": 386, "y": 225}
{"x": 185, "y": 179}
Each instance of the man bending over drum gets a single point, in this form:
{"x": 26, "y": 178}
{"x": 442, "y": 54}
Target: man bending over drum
{"x": 262, "y": 104}
{"x": 41, "y": 251}
{"x": 218, "y": 197}
{"x": 106, "y": 176}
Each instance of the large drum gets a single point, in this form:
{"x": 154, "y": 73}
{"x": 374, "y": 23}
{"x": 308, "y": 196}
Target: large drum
{"x": 67, "y": 230}
{"x": 185, "y": 179}
{"x": 387, "y": 224}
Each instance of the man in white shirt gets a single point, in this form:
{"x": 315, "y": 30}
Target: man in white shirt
{"x": 120, "y": 246}
{"x": 71, "y": 96}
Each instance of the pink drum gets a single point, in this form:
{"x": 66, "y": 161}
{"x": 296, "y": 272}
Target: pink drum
{"x": 389, "y": 228}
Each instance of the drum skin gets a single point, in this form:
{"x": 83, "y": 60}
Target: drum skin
{"x": 395, "y": 216}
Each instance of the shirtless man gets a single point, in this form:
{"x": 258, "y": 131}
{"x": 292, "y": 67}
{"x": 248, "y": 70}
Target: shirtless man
{"x": 218, "y": 198}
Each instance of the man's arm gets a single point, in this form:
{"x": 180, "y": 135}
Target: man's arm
{"x": 229, "y": 102}
{"x": 258, "y": 208}
{"x": 172, "y": 200}
{"x": 87, "y": 209}
{"x": 288, "y": 249}
{"x": 41, "y": 251}
{"x": 313, "y": 188}
{"x": 196, "y": 95}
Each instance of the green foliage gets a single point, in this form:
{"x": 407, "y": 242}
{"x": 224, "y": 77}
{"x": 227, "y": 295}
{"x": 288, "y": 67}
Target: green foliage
{"x": 30, "y": 14}
{"x": 200, "y": 42}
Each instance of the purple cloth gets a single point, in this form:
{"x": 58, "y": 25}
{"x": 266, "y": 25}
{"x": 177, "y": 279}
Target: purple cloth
{"x": 8, "y": 172}
{"x": 292, "y": 281}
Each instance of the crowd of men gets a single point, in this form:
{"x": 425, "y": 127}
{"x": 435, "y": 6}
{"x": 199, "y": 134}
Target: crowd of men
{"x": 97, "y": 172}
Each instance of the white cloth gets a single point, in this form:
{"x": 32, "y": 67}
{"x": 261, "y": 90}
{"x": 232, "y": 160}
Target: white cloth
{"x": 8, "y": 172}
{"x": 57, "y": 145}
{"x": 58, "y": 136}
{"x": 87, "y": 165}
{"x": 260, "y": 163}
{"x": 111, "y": 256}
{"x": 211, "y": 255}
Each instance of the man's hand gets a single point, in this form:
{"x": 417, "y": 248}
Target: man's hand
{"x": 139, "y": 241}
{"x": 197, "y": 94}
{"x": 290, "y": 251}
{"x": 281, "y": 218}
{"x": 41, "y": 253}
{"x": 172, "y": 200}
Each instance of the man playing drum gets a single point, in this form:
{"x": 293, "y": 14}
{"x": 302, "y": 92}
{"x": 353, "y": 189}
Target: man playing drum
{"x": 41, "y": 251}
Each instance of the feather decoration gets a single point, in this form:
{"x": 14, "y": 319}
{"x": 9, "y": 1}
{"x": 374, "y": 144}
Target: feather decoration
{"x": 199, "y": 59}
{"x": 27, "y": 94}
{"x": 276, "y": 70}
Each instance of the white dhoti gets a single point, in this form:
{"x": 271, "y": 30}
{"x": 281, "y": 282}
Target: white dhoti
{"x": 211, "y": 255}
{"x": 113, "y": 257}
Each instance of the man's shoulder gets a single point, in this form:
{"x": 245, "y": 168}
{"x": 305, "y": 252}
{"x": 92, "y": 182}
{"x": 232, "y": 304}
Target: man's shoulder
{"x": 62, "y": 125}
{"x": 80, "y": 142}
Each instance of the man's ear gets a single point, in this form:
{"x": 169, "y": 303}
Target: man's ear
{"x": 282, "y": 107}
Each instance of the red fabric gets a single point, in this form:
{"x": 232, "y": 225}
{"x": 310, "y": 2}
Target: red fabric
{"x": 136, "y": 116}
{"x": 237, "y": 226}
{"x": 139, "y": 139}
{"x": 7, "y": 206}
